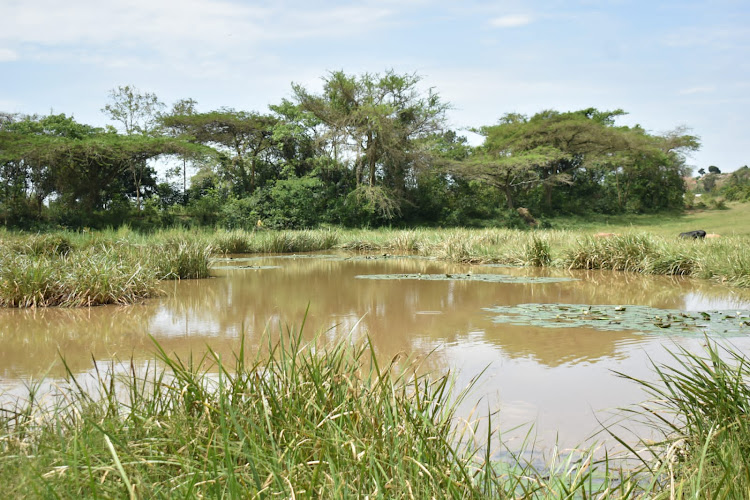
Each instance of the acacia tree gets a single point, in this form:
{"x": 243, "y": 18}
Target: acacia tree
{"x": 245, "y": 138}
{"x": 82, "y": 167}
{"x": 183, "y": 107}
{"x": 553, "y": 149}
{"x": 374, "y": 124}
{"x": 138, "y": 113}
{"x": 25, "y": 144}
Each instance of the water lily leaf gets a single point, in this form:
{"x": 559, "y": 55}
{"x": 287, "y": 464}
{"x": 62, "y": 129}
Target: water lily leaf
{"x": 490, "y": 278}
{"x": 641, "y": 319}
{"x": 245, "y": 268}
{"x": 260, "y": 257}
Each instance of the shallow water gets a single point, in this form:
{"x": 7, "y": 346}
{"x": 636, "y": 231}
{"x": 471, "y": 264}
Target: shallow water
{"x": 560, "y": 379}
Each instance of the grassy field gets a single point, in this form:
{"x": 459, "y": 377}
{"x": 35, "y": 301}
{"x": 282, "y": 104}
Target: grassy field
{"x": 734, "y": 221}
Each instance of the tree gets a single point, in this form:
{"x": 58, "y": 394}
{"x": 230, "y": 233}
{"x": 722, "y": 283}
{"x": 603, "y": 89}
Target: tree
{"x": 714, "y": 169}
{"x": 82, "y": 168}
{"x": 521, "y": 153}
{"x": 183, "y": 107}
{"x": 138, "y": 113}
{"x": 376, "y": 123}
{"x": 25, "y": 146}
{"x": 579, "y": 154}
{"x": 244, "y": 138}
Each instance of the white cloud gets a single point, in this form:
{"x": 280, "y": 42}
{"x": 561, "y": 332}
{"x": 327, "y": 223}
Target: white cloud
{"x": 511, "y": 21}
{"x": 222, "y": 34}
{"x": 7, "y": 55}
{"x": 697, "y": 90}
{"x": 136, "y": 22}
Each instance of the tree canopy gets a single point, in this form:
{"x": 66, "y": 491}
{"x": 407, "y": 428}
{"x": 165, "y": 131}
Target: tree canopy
{"x": 366, "y": 150}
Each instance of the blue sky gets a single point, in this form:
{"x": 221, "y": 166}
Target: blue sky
{"x": 667, "y": 63}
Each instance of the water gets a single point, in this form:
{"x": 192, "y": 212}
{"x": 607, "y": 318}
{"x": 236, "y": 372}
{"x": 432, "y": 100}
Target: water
{"x": 561, "y": 379}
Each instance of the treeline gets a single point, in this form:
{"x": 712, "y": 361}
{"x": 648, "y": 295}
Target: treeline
{"x": 734, "y": 186}
{"x": 369, "y": 150}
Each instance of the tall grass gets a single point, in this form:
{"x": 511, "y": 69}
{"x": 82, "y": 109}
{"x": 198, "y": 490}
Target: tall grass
{"x": 95, "y": 272}
{"x": 299, "y": 420}
{"x": 327, "y": 420}
{"x": 178, "y": 254}
{"x": 700, "y": 405}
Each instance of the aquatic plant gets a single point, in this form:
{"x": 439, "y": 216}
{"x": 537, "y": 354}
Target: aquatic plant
{"x": 641, "y": 319}
{"x": 488, "y": 278}
{"x": 700, "y": 406}
{"x": 300, "y": 420}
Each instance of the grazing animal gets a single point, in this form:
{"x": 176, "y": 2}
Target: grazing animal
{"x": 713, "y": 235}
{"x": 693, "y": 234}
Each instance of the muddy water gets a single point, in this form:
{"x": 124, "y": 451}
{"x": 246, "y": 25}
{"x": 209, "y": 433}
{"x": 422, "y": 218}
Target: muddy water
{"x": 559, "y": 379}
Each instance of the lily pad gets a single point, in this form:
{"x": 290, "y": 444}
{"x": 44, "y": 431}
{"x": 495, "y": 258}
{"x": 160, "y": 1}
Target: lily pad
{"x": 245, "y": 268}
{"x": 260, "y": 257}
{"x": 642, "y": 319}
{"x": 490, "y": 278}
{"x": 384, "y": 256}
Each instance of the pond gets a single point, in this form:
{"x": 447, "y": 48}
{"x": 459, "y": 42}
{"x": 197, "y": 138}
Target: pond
{"x": 548, "y": 341}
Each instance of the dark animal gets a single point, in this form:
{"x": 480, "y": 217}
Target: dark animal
{"x": 693, "y": 234}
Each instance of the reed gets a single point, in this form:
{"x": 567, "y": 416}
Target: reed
{"x": 301, "y": 421}
{"x": 179, "y": 258}
{"x": 319, "y": 419}
{"x": 86, "y": 278}
{"x": 700, "y": 405}
{"x": 178, "y": 254}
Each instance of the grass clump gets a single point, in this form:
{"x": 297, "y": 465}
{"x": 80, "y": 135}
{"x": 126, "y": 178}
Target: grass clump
{"x": 700, "y": 405}
{"x": 324, "y": 423}
{"x": 233, "y": 242}
{"x": 179, "y": 258}
{"x": 85, "y": 278}
{"x": 537, "y": 252}
{"x": 310, "y": 419}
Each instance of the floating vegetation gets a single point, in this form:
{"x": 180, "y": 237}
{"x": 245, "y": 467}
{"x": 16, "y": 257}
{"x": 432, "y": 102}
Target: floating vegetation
{"x": 244, "y": 268}
{"x": 264, "y": 257}
{"x": 642, "y": 319}
{"x": 490, "y": 278}
{"x": 385, "y": 256}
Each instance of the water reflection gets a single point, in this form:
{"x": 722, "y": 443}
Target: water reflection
{"x": 556, "y": 376}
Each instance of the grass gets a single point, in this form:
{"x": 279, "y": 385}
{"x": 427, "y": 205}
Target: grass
{"x": 326, "y": 420}
{"x": 71, "y": 270}
{"x": 730, "y": 222}
{"x": 701, "y": 407}
{"x": 50, "y": 269}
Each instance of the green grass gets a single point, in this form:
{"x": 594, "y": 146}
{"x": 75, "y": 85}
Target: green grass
{"x": 700, "y": 405}
{"x": 734, "y": 221}
{"x": 49, "y": 269}
{"x": 311, "y": 419}
{"x": 93, "y": 270}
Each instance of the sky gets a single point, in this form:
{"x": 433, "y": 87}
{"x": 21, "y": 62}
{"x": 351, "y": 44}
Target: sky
{"x": 667, "y": 63}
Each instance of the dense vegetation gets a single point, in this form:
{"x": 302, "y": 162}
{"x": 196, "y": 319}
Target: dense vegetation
{"x": 124, "y": 266}
{"x": 369, "y": 150}
{"x": 327, "y": 421}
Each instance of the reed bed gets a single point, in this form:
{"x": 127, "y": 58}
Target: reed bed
{"x": 304, "y": 419}
{"x": 178, "y": 254}
{"x": 700, "y": 405}
{"x": 94, "y": 271}
{"x": 327, "y": 420}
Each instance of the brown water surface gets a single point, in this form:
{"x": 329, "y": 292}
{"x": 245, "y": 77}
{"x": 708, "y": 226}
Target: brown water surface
{"x": 559, "y": 379}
